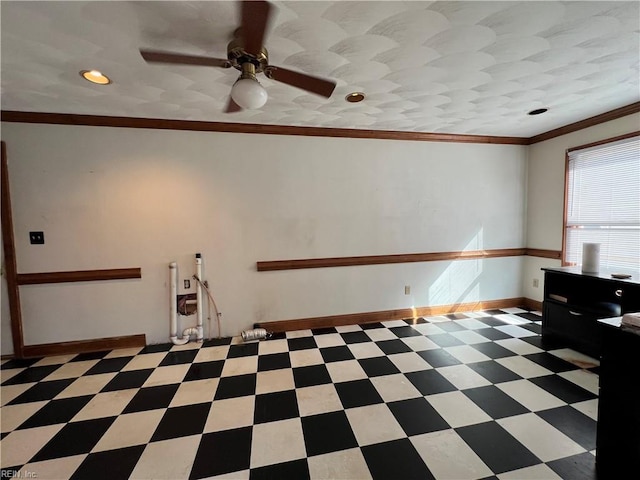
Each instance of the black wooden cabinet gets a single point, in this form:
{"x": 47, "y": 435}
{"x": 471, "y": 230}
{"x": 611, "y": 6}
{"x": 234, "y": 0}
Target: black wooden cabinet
{"x": 618, "y": 437}
{"x": 574, "y": 301}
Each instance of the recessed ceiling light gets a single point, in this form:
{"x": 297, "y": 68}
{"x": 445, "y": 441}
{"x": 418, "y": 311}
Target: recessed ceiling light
{"x": 537, "y": 111}
{"x": 354, "y": 97}
{"x": 94, "y": 76}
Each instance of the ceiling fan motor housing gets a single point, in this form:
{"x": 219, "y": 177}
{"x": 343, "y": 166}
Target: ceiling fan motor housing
{"x": 237, "y": 56}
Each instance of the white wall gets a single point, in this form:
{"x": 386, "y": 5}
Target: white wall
{"x": 545, "y": 193}
{"x": 115, "y": 198}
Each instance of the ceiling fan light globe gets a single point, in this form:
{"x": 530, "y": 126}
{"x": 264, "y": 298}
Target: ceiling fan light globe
{"x": 249, "y": 94}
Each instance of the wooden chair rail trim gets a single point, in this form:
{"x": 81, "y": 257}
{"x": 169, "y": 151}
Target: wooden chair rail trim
{"x": 79, "y": 276}
{"x": 384, "y": 315}
{"x": 536, "y": 252}
{"x": 272, "y": 265}
{"x": 385, "y": 259}
{"x": 83, "y": 346}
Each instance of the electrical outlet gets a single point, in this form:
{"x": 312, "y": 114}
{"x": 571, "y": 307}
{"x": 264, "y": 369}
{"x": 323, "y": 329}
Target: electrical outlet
{"x": 407, "y": 289}
{"x": 36, "y": 238}
{"x": 187, "y": 284}
{"x": 536, "y": 283}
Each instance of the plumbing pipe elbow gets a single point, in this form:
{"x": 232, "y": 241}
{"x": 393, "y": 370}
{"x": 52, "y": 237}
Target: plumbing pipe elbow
{"x": 187, "y": 332}
{"x": 179, "y": 341}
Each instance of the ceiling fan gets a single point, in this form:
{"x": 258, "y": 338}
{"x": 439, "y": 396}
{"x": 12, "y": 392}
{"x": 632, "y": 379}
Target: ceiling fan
{"x": 247, "y": 53}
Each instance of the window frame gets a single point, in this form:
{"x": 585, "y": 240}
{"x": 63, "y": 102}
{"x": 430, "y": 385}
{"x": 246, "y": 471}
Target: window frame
{"x": 566, "y": 185}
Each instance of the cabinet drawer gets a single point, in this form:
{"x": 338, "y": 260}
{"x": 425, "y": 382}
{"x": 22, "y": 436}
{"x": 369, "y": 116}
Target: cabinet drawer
{"x": 578, "y": 330}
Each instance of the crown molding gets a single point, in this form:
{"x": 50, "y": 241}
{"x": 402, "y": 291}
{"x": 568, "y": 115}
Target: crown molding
{"x": 230, "y": 127}
{"x": 193, "y": 125}
{"x": 586, "y": 123}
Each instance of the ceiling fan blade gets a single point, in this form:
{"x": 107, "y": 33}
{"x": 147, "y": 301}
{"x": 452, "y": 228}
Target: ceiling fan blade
{"x": 232, "y": 106}
{"x": 255, "y": 16}
{"x": 316, "y": 85}
{"x": 181, "y": 59}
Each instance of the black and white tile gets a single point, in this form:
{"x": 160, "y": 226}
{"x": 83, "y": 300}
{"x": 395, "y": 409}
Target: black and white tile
{"x": 465, "y": 396}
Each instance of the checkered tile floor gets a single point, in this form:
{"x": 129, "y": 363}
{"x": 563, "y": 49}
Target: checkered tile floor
{"x": 461, "y": 396}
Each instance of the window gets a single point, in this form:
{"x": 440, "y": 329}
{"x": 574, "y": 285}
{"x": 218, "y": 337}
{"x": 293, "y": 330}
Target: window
{"x": 603, "y": 203}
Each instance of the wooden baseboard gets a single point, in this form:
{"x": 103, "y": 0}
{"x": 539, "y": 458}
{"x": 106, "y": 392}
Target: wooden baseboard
{"x": 381, "y": 316}
{"x": 84, "y": 346}
{"x": 532, "y": 304}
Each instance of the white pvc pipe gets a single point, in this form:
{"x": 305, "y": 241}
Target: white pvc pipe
{"x": 200, "y": 330}
{"x": 187, "y": 332}
{"x": 173, "y": 316}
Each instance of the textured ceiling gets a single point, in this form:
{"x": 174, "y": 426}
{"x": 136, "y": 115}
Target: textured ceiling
{"x": 452, "y": 67}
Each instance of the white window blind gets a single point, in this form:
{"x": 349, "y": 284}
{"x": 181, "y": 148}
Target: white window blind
{"x": 603, "y": 204}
